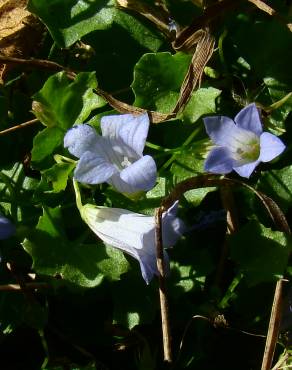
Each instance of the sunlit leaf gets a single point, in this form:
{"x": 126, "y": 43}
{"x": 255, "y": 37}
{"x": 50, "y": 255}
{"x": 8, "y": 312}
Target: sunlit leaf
{"x": 82, "y": 264}
{"x": 60, "y": 104}
{"x": 157, "y": 80}
{"x": 69, "y": 20}
{"x": 261, "y": 253}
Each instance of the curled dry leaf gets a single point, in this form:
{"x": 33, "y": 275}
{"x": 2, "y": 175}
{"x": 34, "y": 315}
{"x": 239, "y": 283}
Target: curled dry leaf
{"x": 158, "y": 15}
{"x": 155, "y": 117}
{"x": 20, "y": 32}
{"x": 204, "y": 43}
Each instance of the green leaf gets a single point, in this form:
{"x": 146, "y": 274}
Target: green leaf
{"x": 280, "y": 94}
{"x": 261, "y": 253}
{"x": 16, "y": 311}
{"x": 202, "y": 102}
{"x": 58, "y": 175}
{"x": 69, "y": 20}
{"x": 143, "y": 35}
{"x": 60, "y": 104}
{"x": 188, "y": 164}
{"x": 84, "y": 265}
{"x": 182, "y": 279}
{"x": 277, "y": 185}
{"x": 45, "y": 142}
{"x": 134, "y": 306}
{"x": 157, "y": 80}
{"x": 251, "y": 39}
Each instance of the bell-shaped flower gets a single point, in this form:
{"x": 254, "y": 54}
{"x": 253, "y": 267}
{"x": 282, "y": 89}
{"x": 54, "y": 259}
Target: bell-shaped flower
{"x": 134, "y": 233}
{"x": 7, "y": 228}
{"x": 116, "y": 157}
{"x": 240, "y": 144}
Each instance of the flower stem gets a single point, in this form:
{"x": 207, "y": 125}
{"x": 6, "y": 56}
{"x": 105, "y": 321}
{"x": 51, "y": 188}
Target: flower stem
{"x": 186, "y": 142}
{"x": 158, "y": 147}
{"x": 162, "y": 289}
{"x": 232, "y": 226}
{"x": 77, "y": 195}
{"x": 61, "y": 158}
{"x": 274, "y": 326}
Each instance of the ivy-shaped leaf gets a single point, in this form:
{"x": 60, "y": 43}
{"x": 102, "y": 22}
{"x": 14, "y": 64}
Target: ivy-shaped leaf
{"x": 60, "y": 104}
{"x": 261, "y": 253}
{"x": 82, "y": 264}
{"x": 69, "y": 20}
{"x": 157, "y": 80}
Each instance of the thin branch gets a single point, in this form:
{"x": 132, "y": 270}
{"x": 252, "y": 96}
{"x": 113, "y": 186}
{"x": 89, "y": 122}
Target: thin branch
{"x": 232, "y": 225}
{"x": 162, "y": 288}
{"x": 39, "y": 63}
{"x": 18, "y": 287}
{"x": 21, "y": 125}
{"x": 272, "y": 12}
{"x": 205, "y": 181}
{"x": 274, "y": 327}
{"x": 280, "y": 222}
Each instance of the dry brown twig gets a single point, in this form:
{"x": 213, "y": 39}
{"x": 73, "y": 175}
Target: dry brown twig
{"x": 30, "y": 286}
{"x": 280, "y": 222}
{"x": 165, "y": 322}
{"x": 17, "y": 127}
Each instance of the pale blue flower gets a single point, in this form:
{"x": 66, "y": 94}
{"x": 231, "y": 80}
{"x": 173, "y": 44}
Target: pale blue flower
{"x": 7, "y": 228}
{"x": 134, "y": 233}
{"x": 116, "y": 157}
{"x": 240, "y": 144}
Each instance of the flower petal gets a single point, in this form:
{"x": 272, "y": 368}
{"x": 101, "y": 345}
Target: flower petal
{"x": 246, "y": 169}
{"x": 249, "y": 119}
{"x": 128, "y": 231}
{"x": 119, "y": 227}
{"x": 141, "y": 175}
{"x": 130, "y": 129}
{"x": 271, "y": 147}
{"x": 219, "y": 161}
{"x": 7, "y": 228}
{"x": 93, "y": 169}
{"x": 172, "y": 226}
{"x": 131, "y": 232}
{"x": 220, "y": 129}
{"x": 148, "y": 264}
{"x": 80, "y": 139}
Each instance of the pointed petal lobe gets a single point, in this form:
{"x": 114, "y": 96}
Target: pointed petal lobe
{"x": 148, "y": 264}
{"x": 271, "y": 147}
{"x": 141, "y": 175}
{"x": 249, "y": 119}
{"x": 80, "y": 139}
{"x": 219, "y": 161}
{"x": 93, "y": 169}
{"x": 172, "y": 226}
{"x": 246, "y": 169}
{"x": 131, "y": 130}
{"x": 220, "y": 129}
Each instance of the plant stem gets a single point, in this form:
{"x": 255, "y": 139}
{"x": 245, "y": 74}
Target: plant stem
{"x": 77, "y": 195}
{"x": 21, "y": 125}
{"x": 162, "y": 289}
{"x": 232, "y": 225}
{"x": 274, "y": 326}
{"x": 186, "y": 142}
